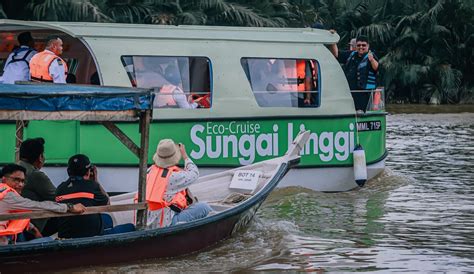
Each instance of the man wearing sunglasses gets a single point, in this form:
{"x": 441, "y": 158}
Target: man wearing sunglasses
{"x": 361, "y": 71}
{"x": 362, "y": 66}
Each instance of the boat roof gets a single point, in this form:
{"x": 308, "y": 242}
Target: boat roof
{"x": 72, "y": 102}
{"x": 150, "y": 31}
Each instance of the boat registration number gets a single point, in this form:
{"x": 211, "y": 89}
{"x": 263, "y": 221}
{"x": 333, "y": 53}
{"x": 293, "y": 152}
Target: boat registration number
{"x": 369, "y": 125}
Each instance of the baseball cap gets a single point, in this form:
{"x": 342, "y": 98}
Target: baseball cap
{"x": 78, "y": 165}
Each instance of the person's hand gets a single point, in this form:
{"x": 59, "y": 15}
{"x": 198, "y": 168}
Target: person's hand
{"x": 78, "y": 208}
{"x": 35, "y": 231}
{"x": 94, "y": 176}
{"x": 182, "y": 149}
{"x": 307, "y": 101}
{"x": 370, "y": 56}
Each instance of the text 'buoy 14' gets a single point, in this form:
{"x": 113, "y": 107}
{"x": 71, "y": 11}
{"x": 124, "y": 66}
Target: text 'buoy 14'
{"x": 360, "y": 167}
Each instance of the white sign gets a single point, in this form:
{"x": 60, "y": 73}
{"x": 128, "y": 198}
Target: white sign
{"x": 245, "y": 181}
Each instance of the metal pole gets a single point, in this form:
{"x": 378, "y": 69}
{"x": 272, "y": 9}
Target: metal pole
{"x": 145, "y": 118}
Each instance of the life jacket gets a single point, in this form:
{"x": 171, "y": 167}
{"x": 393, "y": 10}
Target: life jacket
{"x": 204, "y": 101}
{"x": 77, "y": 195}
{"x": 13, "y": 227}
{"x": 39, "y": 66}
{"x": 165, "y": 96}
{"x": 157, "y": 181}
{"x": 20, "y": 59}
{"x": 301, "y": 75}
{"x": 366, "y": 77}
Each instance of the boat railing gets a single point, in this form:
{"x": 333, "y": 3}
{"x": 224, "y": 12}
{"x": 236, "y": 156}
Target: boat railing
{"x": 39, "y": 214}
{"x": 372, "y": 100}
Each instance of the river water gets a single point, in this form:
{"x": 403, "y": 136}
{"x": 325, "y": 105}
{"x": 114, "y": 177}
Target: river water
{"x": 417, "y": 217}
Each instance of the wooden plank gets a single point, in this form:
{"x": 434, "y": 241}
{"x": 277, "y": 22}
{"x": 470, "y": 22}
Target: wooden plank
{"x": 117, "y": 132}
{"x": 145, "y": 118}
{"x": 121, "y": 115}
{"x": 38, "y": 214}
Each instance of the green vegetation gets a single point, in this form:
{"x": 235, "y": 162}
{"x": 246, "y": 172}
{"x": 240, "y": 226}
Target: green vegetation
{"x": 426, "y": 46}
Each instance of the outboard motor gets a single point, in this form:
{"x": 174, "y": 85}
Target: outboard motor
{"x": 360, "y": 167}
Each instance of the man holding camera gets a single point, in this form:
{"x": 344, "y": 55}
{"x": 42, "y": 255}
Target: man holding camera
{"x": 81, "y": 187}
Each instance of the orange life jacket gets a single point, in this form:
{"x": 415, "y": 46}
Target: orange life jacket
{"x": 13, "y": 227}
{"x": 157, "y": 181}
{"x": 39, "y": 66}
{"x": 301, "y": 75}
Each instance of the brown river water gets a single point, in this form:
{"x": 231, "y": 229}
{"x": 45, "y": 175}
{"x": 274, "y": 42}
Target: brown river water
{"x": 417, "y": 217}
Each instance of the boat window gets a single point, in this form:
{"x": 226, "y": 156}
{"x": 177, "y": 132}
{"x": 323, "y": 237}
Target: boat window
{"x": 80, "y": 61}
{"x": 179, "y": 82}
{"x": 283, "y": 82}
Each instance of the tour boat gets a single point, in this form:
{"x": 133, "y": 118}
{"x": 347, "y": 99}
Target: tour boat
{"x": 254, "y": 88}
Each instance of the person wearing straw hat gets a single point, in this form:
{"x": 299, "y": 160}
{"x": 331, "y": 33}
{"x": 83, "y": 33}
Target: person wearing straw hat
{"x": 169, "y": 200}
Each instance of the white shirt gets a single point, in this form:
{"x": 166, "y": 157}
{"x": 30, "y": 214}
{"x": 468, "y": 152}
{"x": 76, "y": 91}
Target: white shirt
{"x": 20, "y": 70}
{"x": 180, "y": 98}
{"x": 13, "y": 201}
{"x": 57, "y": 71}
{"x": 178, "y": 181}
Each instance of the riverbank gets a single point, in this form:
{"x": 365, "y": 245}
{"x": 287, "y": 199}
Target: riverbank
{"x": 429, "y": 109}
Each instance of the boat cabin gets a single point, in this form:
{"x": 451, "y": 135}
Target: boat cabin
{"x": 257, "y": 68}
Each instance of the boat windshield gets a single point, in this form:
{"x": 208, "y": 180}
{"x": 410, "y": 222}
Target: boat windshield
{"x": 283, "y": 82}
{"x": 177, "y": 81}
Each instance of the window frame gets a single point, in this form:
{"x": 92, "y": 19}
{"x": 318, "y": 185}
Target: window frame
{"x": 244, "y": 61}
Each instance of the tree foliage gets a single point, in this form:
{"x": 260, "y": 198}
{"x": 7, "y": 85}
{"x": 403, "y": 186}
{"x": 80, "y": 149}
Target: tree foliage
{"x": 426, "y": 45}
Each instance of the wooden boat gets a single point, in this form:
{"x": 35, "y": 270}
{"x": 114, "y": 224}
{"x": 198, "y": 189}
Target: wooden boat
{"x": 234, "y": 206}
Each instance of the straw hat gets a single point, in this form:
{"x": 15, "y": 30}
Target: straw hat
{"x": 167, "y": 154}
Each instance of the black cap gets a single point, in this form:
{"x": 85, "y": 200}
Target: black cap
{"x": 78, "y": 165}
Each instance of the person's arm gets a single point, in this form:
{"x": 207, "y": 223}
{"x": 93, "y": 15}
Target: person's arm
{"x": 180, "y": 98}
{"x": 57, "y": 71}
{"x": 333, "y": 47}
{"x": 373, "y": 61}
{"x": 40, "y": 183}
{"x": 100, "y": 196}
{"x": 17, "y": 202}
{"x": 183, "y": 179}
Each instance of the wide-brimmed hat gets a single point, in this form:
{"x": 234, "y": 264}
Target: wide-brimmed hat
{"x": 167, "y": 154}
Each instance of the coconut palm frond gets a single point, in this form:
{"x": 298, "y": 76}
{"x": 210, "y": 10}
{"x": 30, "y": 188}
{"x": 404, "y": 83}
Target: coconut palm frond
{"x": 409, "y": 20}
{"x": 192, "y": 18}
{"x": 432, "y": 14}
{"x": 2, "y": 13}
{"x": 212, "y": 4}
{"x": 68, "y": 10}
{"x": 381, "y": 32}
{"x": 85, "y": 9}
{"x": 440, "y": 30}
{"x": 130, "y": 13}
{"x": 243, "y": 16}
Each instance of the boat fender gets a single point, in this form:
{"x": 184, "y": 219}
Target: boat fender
{"x": 360, "y": 167}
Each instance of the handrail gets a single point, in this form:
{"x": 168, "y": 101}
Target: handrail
{"x": 38, "y": 214}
